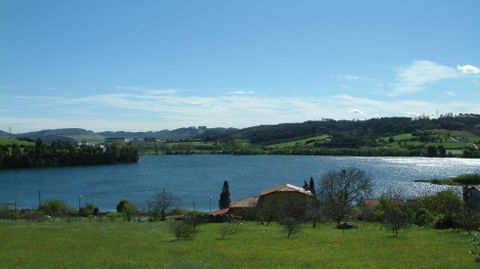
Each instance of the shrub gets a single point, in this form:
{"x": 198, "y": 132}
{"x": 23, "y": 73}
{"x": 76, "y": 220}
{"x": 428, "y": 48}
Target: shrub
{"x": 127, "y": 209}
{"x": 468, "y": 179}
{"x": 5, "y": 213}
{"x": 181, "y": 229}
{"x": 196, "y": 218}
{"x": 444, "y": 202}
{"x": 31, "y": 214}
{"x": 423, "y": 217}
{"x": 226, "y": 229}
{"x": 291, "y": 225}
{"x": 56, "y": 208}
{"x": 89, "y": 210}
{"x": 395, "y": 217}
{"x": 444, "y": 222}
{"x": 475, "y": 249}
{"x": 112, "y": 216}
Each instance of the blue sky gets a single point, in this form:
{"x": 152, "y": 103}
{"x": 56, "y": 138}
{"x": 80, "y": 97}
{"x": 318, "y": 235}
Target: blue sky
{"x": 151, "y": 65}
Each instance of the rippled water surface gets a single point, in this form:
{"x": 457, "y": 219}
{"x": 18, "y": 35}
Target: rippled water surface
{"x": 195, "y": 178}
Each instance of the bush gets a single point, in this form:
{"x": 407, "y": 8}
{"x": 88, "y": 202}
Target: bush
{"x": 5, "y": 213}
{"x": 423, "y": 217}
{"x": 181, "y": 229}
{"x": 468, "y": 179}
{"x": 56, "y": 208}
{"x": 31, "y": 214}
{"x": 127, "y": 209}
{"x": 227, "y": 229}
{"x": 112, "y": 216}
{"x": 444, "y": 222}
{"x": 395, "y": 217}
{"x": 291, "y": 225}
{"x": 196, "y": 218}
{"x": 475, "y": 249}
{"x": 89, "y": 210}
{"x": 444, "y": 202}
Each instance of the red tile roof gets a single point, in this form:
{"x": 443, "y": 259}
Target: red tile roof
{"x": 246, "y": 202}
{"x": 376, "y": 202}
{"x": 286, "y": 188}
{"x": 220, "y": 212}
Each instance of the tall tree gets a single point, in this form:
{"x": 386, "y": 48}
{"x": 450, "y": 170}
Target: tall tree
{"x": 305, "y": 185}
{"x": 311, "y": 186}
{"x": 340, "y": 189}
{"x": 224, "y": 201}
{"x": 161, "y": 204}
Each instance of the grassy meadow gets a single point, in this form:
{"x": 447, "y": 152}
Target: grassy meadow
{"x": 121, "y": 244}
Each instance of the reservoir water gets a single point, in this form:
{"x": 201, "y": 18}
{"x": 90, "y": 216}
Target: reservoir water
{"x": 196, "y": 178}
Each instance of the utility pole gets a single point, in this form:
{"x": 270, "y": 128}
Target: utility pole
{"x": 79, "y": 202}
{"x": 15, "y": 208}
{"x": 210, "y": 204}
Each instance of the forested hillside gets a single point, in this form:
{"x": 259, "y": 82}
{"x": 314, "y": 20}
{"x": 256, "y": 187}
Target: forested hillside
{"x": 29, "y": 154}
{"x": 372, "y": 128}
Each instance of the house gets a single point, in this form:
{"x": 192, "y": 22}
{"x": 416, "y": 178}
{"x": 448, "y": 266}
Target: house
{"x": 283, "y": 192}
{"x": 245, "y": 208}
{"x": 471, "y": 197}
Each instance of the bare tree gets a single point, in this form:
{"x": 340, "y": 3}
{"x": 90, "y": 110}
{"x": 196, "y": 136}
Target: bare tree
{"x": 340, "y": 189}
{"x": 291, "y": 226}
{"x": 292, "y": 213}
{"x": 162, "y": 203}
{"x": 266, "y": 211}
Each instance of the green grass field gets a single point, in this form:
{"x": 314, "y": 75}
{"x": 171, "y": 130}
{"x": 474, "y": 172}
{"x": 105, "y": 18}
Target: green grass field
{"x": 301, "y": 142}
{"x": 150, "y": 245}
{"x": 9, "y": 142}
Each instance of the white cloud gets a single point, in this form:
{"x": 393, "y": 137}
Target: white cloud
{"x": 240, "y": 92}
{"x": 357, "y": 111}
{"x": 151, "y": 111}
{"x": 353, "y": 77}
{"x": 468, "y": 69}
{"x": 419, "y": 74}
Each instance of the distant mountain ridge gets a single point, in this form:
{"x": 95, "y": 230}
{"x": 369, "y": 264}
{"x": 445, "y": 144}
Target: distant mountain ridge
{"x": 75, "y": 135}
{"x": 4, "y": 134}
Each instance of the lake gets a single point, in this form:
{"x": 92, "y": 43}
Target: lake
{"x": 194, "y": 178}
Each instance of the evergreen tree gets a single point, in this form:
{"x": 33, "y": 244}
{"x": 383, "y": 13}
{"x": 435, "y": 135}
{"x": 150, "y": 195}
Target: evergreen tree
{"x": 224, "y": 201}
{"x": 305, "y": 185}
{"x": 311, "y": 186}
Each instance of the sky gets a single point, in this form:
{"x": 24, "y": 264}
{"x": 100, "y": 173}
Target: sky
{"x": 153, "y": 65}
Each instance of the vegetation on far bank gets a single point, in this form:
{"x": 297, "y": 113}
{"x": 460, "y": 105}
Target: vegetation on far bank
{"x": 462, "y": 180}
{"x": 433, "y": 143}
{"x": 447, "y": 136}
{"x": 34, "y": 154}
